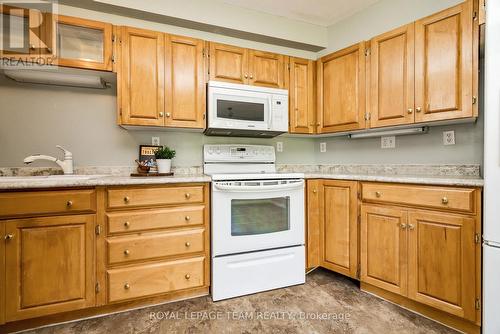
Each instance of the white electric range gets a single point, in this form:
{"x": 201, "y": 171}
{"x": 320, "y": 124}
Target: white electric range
{"x": 257, "y": 221}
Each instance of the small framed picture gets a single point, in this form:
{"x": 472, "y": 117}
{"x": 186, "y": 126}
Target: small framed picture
{"x": 147, "y": 155}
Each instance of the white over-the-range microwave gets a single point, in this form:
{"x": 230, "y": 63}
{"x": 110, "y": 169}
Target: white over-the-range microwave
{"x": 246, "y": 111}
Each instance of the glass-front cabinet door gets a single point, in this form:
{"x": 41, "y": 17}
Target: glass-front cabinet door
{"x": 83, "y": 43}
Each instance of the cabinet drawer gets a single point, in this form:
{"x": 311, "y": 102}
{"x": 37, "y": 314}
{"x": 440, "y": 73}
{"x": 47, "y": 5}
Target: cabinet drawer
{"x": 133, "y": 221}
{"x": 457, "y": 199}
{"x": 149, "y": 196}
{"x": 156, "y": 278}
{"x": 154, "y": 245}
{"x": 47, "y": 202}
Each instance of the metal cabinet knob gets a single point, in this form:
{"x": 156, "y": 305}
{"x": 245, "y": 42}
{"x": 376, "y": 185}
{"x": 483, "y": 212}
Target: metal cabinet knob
{"x": 126, "y": 224}
{"x": 403, "y": 226}
{"x": 9, "y": 237}
{"x": 251, "y": 76}
{"x": 378, "y": 194}
{"x": 246, "y": 76}
{"x": 126, "y": 286}
{"x": 188, "y": 244}
{"x": 161, "y": 114}
{"x": 410, "y": 111}
{"x": 187, "y": 276}
{"x": 444, "y": 200}
{"x": 69, "y": 203}
{"x": 167, "y": 114}
{"x": 126, "y": 199}
{"x": 411, "y": 226}
{"x": 187, "y": 195}
{"x": 418, "y": 109}
{"x": 187, "y": 218}
{"x": 314, "y": 191}
{"x": 126, "y": 252}
{"x": 32, "y": 46}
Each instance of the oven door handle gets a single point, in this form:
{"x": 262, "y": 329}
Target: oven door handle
{"x": 289, "y": 186}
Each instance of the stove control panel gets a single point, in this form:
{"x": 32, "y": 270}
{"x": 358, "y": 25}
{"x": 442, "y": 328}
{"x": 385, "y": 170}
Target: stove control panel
{"x": 239, "y": 153}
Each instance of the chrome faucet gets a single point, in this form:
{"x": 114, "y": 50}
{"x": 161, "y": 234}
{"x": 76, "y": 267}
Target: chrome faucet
{"x": 66, "y": 165}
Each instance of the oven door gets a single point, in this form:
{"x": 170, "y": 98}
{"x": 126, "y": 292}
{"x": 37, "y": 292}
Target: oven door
{"x": 256, "y": 215}
{"x": 238, "y": 109}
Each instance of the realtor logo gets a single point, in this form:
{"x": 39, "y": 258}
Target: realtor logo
{"x": 26, "y": 32}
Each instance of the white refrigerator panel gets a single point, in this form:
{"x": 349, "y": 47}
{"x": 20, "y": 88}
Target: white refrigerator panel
{"x": 491, "y": 290}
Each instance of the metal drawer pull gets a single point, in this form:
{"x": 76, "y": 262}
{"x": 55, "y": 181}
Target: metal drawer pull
{"x": 411, "y": 226}
{"x": 9, "y": 237}
{"x": 126, "y": 224}
{"x": 187, "y": 195}
{"x": 69, "y": 203}
{"x": 187, "y": 244}
{"x": 444, "y": 200}
{"x": 403, "y": 226}
{"x": 187, "y": 276}
{"x": 126, "y": 252}
{"x": 126, "y": 286}
{"x": 410, "y": 110}
{"x": 378, "y": 194}
{"x": 126, "y": 199}
{"x": 187, "y": 218}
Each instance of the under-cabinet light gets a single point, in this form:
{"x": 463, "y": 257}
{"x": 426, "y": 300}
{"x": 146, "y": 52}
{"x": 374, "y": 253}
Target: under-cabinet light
{"x": 56, "y": 78}
{"x": 399, "y": 132}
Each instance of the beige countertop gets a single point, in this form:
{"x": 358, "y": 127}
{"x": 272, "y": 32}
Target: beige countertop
{"x": 60, "y": 181}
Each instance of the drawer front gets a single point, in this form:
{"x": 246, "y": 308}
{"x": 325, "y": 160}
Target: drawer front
{"x": 133, "y": 221}
{"x": 154, "y": 245}
{"x": 47, "y": 202}
{"x": 151, "y": 279}
{"x": 151, "y": 196}
{"x": 457, "y": 199}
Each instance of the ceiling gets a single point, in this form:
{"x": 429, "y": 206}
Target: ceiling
{"x": 319, "y": 12}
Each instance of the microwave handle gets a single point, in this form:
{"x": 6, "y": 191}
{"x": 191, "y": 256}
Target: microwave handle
{"x": 289, "y": 186}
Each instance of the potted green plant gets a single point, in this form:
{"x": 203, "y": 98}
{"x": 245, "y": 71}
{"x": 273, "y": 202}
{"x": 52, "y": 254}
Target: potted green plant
{"x": 164, "y": 158}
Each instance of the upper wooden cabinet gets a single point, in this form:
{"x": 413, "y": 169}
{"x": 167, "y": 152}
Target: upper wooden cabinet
{"x": 392, "y": 78}
{"x": 83, "y": 43}
{"x": 239, "y": 65}
{"x": 341, "y": 90}
{"x": 444, "y": 64}
{"x": 50, "y": 265}
{"x": 141, "y": 77}
{"x": 338, "y": 213}
{"x": 302, "y": 114}
{"x": 184, "y": 82}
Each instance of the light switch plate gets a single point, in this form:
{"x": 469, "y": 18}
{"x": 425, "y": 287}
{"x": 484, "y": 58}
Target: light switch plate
{"x": 279, "y": 146}
{"x": 155, "y": 141}
{"x": 322, "y": 147}
{"x": 388, "y": 142}
{"x": 448, "y": 137}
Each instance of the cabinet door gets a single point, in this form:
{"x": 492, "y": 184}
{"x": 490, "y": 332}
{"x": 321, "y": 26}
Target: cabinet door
{"x": 302, "y": 112}
{"x": 228, "y": 63}
{"x": 444, "y": 65}
{"x": 392, "y": 78}
{"x": 341, "y": 90}
{"x": 441, "y": 262}
{"x": 339, "y": 226}
{"x": 141, "y": 81}
{"x": 384, "y": 248}
{"x": 83, "y": 43}
{"x": 3, "y": 240}
{"x": 267, "y": 69}
{"x": 18, "y": 33}
{"x": 313, "y": 223}
{"x": 184, "y": 82}
{"x": 50, "y": 266}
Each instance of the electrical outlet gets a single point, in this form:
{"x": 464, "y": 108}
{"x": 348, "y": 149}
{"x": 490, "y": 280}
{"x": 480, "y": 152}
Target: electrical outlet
{"x": 155, "y": 141}
{"x": 322, "y": 147}
{"x": 279, "y": 146}
{"x": 388, "y": 142}
{"x": 448, "y": 137}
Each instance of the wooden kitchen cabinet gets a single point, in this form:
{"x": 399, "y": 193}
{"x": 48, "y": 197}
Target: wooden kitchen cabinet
{"x": 184, "y": 82}
{"x": 228, "y": 63}
{"x": 444, "y": 65}
{"x": 441, "y": 265}
{"x": 83, "y": 43}
{"x": 2, "y": 272}
{"x": 267, "y": 69}
{"x": 384, "y": 248}
{"x": 141, "y": 77}
{"x": 302, "y": 114}
{"x": 313, "y": 223}
{"x": 50, "y": 265}
{"x": 341, "y": 90}
{"x": 392, "y": 78}
{"x": 338, "y": 207}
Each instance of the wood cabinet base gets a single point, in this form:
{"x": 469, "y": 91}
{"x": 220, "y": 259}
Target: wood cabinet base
{"x": 428, "y": 312}
{"x": 104, "y": 310}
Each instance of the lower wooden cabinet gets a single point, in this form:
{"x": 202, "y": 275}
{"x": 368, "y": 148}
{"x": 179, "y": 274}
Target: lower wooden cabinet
{"x": 2, "y": 273}
{"x": 384, "y": 248}
{"x": 50, "y": 265}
